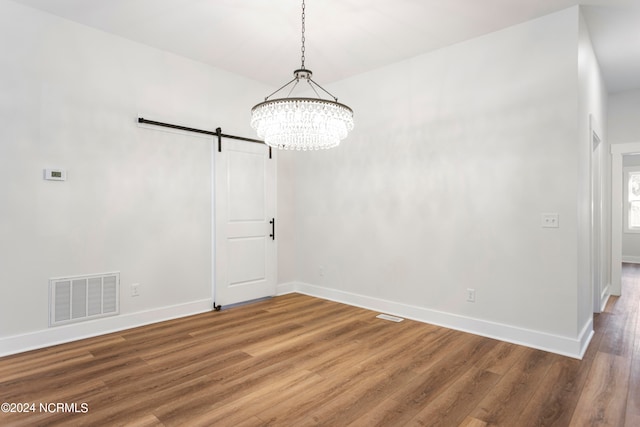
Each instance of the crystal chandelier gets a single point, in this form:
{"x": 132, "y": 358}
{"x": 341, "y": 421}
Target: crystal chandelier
{"x": 302, "y": 123}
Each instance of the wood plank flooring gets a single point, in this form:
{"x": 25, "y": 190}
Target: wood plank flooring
{"x": 301, "y": 361}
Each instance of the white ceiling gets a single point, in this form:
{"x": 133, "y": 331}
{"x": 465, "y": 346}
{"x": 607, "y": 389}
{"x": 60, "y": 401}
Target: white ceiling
{"x": 261, "y": 38}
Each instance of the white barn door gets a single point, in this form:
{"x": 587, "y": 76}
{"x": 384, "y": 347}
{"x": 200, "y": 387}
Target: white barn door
{"x": 245, "y": 252}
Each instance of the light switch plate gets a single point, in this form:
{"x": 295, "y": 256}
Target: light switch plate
{"x": 550, "y": 220}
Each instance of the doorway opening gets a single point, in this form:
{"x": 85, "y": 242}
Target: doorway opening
{"x": 618, "y": 153}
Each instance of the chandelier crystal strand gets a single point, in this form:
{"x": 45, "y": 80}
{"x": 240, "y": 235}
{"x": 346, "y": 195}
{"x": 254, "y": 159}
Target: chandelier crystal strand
{"x": 302, "y": 123}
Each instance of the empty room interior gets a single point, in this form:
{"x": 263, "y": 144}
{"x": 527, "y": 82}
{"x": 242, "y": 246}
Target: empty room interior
{"x": 320, "y": 212}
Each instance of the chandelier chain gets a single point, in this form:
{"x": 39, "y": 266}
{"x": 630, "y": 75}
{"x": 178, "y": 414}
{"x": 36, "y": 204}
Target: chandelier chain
{"x": 302, "y": 123}
{"x": 302, "y": 49}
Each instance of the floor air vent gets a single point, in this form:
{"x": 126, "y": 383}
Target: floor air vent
{"x": 80, "y": 298}
{"x": 389, "y": 317}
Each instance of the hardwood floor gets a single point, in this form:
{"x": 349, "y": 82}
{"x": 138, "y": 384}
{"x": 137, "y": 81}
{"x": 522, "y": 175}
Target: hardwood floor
{"x": 297, "y": 361}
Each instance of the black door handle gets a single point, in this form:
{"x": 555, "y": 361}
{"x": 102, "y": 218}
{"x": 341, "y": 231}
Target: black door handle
{"x": 273, "y": 229}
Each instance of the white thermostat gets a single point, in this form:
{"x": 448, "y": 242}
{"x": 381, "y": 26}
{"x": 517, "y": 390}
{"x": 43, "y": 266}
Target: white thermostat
{"x": 55, "y": 174}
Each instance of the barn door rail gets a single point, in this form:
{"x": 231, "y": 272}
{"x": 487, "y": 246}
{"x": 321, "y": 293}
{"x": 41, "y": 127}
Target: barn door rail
{"x": 217, "y": 133}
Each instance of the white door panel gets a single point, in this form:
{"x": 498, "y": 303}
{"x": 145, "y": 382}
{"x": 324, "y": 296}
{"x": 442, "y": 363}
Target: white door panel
{"x": 246, "y": 174}
{"x": 242, "y": 249}
{"x": 245, "y": 204}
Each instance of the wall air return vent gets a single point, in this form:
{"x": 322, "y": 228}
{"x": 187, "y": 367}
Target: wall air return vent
{"x": 79, "y": 298}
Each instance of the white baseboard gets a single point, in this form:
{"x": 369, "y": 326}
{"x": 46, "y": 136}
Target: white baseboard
{"x": 574, "y": 347}
{"x": 604, "y": 297}
{"x": 62, "y": 334}
{"x": 566, "y": 346}
{"x": 586, "y": 334}
{"x": 631, "y": 259}
{"x": 286, "y": 288}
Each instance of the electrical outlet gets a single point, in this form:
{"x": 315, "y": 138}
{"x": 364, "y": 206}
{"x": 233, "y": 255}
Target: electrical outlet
{"x": 550, "y": 220}
{"x": 471, "y": 295}
{"x": 135, "y": 289}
